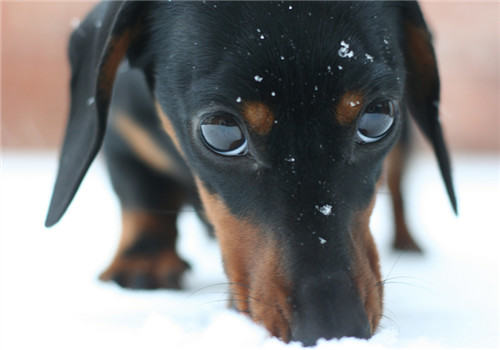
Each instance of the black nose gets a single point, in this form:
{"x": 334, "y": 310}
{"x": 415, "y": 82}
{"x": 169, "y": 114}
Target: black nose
{"x": 328, "y": 307}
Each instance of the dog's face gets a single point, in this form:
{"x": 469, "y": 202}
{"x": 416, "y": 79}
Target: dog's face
{"x": 286, "y": 121}
{"x": 284, "y": 113}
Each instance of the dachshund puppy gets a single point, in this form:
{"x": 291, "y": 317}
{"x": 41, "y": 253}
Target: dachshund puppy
{"x": 273, "y": 119}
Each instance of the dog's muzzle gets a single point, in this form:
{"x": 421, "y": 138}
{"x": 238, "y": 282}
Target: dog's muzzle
{"x": 328, "y": 307}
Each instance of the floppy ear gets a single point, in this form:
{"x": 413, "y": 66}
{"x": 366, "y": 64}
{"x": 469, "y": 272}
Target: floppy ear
{"x": 422, "y": 91}
{"x": 96, "y": 49}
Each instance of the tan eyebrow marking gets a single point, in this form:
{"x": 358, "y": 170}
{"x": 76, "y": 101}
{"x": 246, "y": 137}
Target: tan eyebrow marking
{"x": 348, "y": 107}
{"x": 259, "y": 116}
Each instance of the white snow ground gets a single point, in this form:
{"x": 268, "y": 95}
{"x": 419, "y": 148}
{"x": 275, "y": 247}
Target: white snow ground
{"x": 50, "y": 296}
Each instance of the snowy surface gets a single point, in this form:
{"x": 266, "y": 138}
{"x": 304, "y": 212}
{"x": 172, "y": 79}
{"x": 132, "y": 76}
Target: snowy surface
{"x": 50, "y": 296}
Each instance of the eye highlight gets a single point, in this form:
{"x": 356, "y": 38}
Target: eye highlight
{"x": 376, "y": 121}
{"x": 222, "y": 134}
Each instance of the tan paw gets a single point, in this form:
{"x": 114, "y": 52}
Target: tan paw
{"x": 406, "y": 243}
{"x": 163, "y": 269}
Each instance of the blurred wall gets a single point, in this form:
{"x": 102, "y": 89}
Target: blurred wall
{"x": 467, "y": 39}
{"x": 35, "y": 72}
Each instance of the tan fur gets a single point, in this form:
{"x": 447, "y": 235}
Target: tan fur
{"x": 419, "y": 42}
{"x": 348, "y": 107}
{"x": 259, "y": 286}
{"x": 270, "y": 293}
{"x": 394, "y": 166}
{"x": 168, "y": 127}
{"x": 117, "y": 48}
{"x": 367, "y": 277}
{"x": 259, "y": 117}
{"x": 157, "y": 266}
{"x": 143, "y": 145}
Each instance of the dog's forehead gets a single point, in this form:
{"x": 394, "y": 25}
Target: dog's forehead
{"x": 233, "y": 48}
{"x": 291, "y": 53}
{"x": 282, "y": 64}
{"x": 308, "y": 32}
{"x": 300, "y": 60}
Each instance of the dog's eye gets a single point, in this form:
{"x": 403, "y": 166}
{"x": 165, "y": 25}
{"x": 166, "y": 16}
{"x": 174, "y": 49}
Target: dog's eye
{"x": 223, "y": 135}
{"x": 376, "y": 121}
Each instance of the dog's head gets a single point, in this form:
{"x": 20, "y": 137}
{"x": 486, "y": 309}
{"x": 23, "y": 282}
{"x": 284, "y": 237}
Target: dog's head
{"x": 284, "y": 112}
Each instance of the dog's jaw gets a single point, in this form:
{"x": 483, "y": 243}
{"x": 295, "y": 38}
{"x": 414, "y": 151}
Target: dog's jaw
{"x": 261, "y": 286}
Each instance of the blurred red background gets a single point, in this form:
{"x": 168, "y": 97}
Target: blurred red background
{"x": 35, "y": 71}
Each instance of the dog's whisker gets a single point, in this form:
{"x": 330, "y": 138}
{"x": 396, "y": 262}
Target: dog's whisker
{"x": 401, "y": 277}
{"x": 399, "y": 283}
{"x": 203, "y": 289}
{"x": 228, "y": 300}
{"x": 233, "y": 293}
{"x": 382, "y": 326}
{"x": 394, "y": 265}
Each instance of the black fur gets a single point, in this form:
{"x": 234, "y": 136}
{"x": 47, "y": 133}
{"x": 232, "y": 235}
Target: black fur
{"x": 148, "y": 245}
{"x": 197, "y": 58}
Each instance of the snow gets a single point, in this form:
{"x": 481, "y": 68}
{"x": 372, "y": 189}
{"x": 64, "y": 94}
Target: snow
{"x": 258, "y": 78}
{"x": 344, "y": 51}
{"x": 325, "y": 209}
{"x": 369, "y": 57}
{"x": 50, "y": 296}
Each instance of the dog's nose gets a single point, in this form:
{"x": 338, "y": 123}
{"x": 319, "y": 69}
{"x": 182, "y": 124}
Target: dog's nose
{"x": 328, "y": 307}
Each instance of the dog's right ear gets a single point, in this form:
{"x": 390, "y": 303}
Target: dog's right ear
{"x": 106, "y": 36}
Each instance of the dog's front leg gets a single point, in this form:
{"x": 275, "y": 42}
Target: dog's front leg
{"x": 146, "y": 257}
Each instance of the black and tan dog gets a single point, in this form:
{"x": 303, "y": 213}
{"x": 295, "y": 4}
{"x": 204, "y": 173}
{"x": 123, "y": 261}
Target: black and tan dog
{"x": 273, "y": 119}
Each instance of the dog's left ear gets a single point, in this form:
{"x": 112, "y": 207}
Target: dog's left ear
{"x": 422, "y": 90}
{"x": 111, "y": 32}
